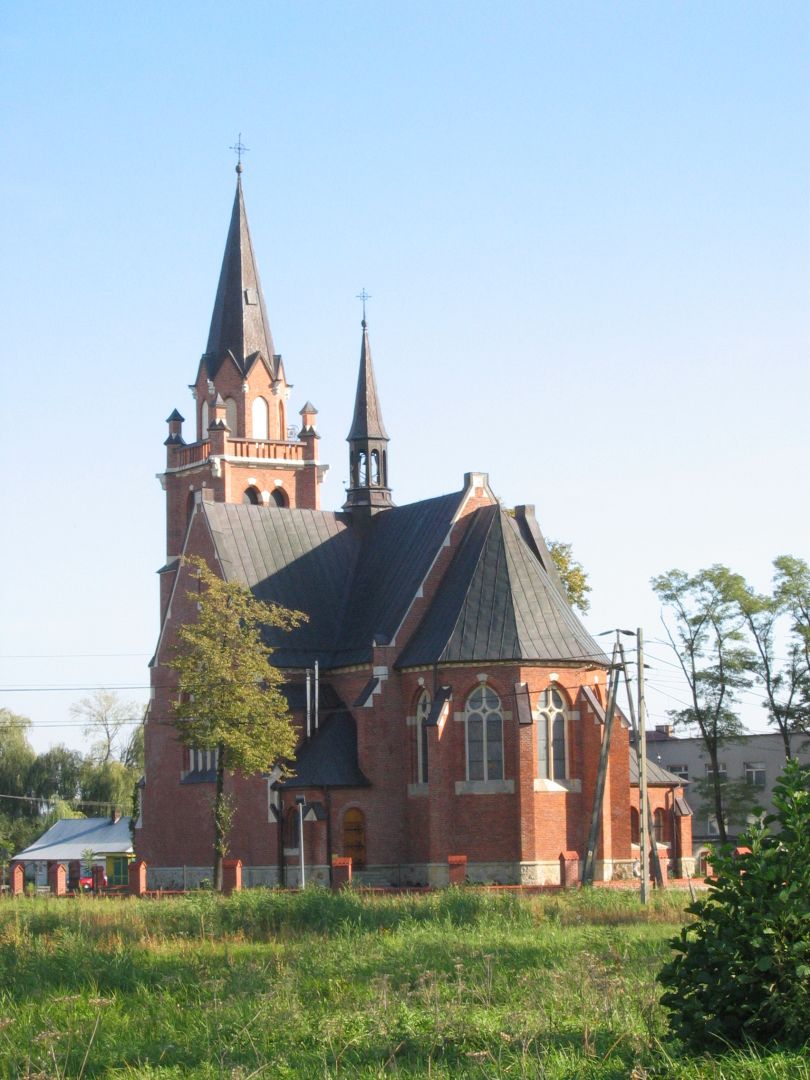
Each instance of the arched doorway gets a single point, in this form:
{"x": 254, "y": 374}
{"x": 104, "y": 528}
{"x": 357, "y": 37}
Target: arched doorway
{"x": 354, "y": 838}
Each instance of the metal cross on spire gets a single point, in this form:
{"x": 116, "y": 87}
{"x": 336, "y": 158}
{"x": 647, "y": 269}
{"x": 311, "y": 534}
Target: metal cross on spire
{"x": 239, "y": 148}
{"x": 363, "y": 295}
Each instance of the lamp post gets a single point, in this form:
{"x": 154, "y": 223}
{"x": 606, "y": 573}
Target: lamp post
{"x": 301, "y": 801}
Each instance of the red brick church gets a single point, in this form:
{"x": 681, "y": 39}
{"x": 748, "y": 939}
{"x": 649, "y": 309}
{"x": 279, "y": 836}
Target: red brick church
{"x": 458, "y": 703}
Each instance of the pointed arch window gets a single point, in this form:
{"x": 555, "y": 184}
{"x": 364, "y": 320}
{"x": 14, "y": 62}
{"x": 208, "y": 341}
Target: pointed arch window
{"x": 204, "y": 421}
{"x": 362, "y": 468}
{"x": 260, "y": 416}
{"x": 282, "y": 421}
{"x": 422, "y": 713}
{"x": 375, "y": 467}
{"x": 552, "y": 735}
{"x": 231, "y": 415}
{"x": 484, "y": 724}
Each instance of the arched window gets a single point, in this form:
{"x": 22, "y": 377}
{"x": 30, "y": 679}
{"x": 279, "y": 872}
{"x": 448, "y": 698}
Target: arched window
{"x": 251, "y": 497}
{"x": 189, "y": 506}
{"x": 279, "y": 497}
{"x": 204, "y": 421}
{"x": 362, "y": 468}
{"x": 230, "y": 415}
{"x": 422, "y": 713}
{"x": 484, "y": 724}
{"x": 282, "y": 421}
{"x": 375, "y": 467}
{"x": 354, "y": 838}
{"x": 552, "y": 735}
{"x": 260, "y": 418}
{"x": 659, "y": 826}
{"x": 634, "y": 829}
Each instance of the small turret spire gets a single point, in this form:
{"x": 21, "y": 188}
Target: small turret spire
{"x": 368, "y": 440}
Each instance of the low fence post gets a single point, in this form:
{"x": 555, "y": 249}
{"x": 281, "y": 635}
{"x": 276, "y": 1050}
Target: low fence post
{"x": 457, "y": 869}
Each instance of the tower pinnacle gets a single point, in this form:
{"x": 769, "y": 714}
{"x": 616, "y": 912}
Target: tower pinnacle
{"x": 368, "y": 440}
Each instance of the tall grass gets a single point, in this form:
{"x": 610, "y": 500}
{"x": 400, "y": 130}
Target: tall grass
{"x": 458, "y": 983}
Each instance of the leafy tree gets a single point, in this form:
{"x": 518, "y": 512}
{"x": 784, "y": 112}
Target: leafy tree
{"x": 108, "y": 785}
{"x": 784, "y": 682}
{"x": 572, "y": 573}
{"x": 792, "y": 591}
{"x": 133, "y": 754}
{"x": 742, "y": 970}
{"x": 707, "y": 637}
{"x": 16, "y": 758}
{"x": 106, "y": 718}
{"x": 229, "y": 694}
{"x": 56, "y": 773}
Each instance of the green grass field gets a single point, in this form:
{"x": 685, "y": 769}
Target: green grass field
{"x": 458, "y": 983}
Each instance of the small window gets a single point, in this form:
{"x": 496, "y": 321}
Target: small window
{"x": 292, "y": 829}
{"x": 278, "y": 497}
{"x": 659, "y": 826}
{"x": 721, "y": 771}
{"x": 679, "y": 770}
{"x": 422, "y": 713}
{"x": 260, "y": 415}
{"x": 230, "y": 415}
{"x": 375, "y": 467}
{"x": 634, "y": 826}
{"x": 251, "y": 297}
{"x": 362, "y": 468}
{"x": 755, "y": 773}
{"x": 484, "y": 724}
{"x": 204, "y": 421}
{"x": 252, "y": 497}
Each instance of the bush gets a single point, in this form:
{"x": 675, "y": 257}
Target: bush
{"x": 742, "y": 973}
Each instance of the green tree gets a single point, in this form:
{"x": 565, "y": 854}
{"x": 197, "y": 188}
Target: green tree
{"x": 106, "y": 787}
{"x": 783, "y": 681}
{"x": 572, "y": 573}
{"x": 16, "y": 758}
{"x": 792, "y": 591}
{"x": 56, "y": 774}
{"x": 228, "y": 693}
{"x": 742, "y": 969}
{"x": 707, "y": 635}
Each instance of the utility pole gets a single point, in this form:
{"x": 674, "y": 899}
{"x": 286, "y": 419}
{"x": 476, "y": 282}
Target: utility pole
{"x": 644, "y": 802}
{"x": 644, "y": 815}
{"x": 601, "y": 776}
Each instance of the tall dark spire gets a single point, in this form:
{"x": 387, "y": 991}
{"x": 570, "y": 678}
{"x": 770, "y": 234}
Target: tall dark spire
{"x": 368, "y": 442}
{"x": 239, "y": 324}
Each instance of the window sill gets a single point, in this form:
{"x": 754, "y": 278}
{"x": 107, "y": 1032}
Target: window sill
{"x": 572, "y": 786}
{"x": 291, "y": 850}
{"x": 485, "y": 787}
{"x": 417, "y": 789}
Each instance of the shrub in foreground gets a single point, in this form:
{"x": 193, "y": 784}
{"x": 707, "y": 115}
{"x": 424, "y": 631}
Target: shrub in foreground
{"x": 742, "y": 971}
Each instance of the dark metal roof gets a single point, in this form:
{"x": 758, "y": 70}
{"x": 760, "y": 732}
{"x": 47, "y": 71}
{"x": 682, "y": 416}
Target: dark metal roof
{"x": 497, "y": 602}
{"x": 656, "y": 775}
{"x": 367, "y": 422}
{"x": 239, "y": 323}
{"x": 329, "y": 758}
{"x": 355, "y": 585}
{"x": 302, "y": 559}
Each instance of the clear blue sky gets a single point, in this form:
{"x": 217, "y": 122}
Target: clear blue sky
{"x": 585, "y": 228}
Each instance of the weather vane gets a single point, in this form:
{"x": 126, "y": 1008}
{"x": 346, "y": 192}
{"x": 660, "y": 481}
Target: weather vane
{"x": 239, "y": 148}
{"x": 363, "y": 295}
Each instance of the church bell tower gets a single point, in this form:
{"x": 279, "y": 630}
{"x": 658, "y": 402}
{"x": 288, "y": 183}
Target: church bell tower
{"x": 244, "y": 446}
{"x": 368, "y": 490}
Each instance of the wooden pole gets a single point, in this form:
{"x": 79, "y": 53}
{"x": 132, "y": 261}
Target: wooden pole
{"x": 643, "y": 799}
{"x": 643, "y": 817}
{"x": 601, "y": 776}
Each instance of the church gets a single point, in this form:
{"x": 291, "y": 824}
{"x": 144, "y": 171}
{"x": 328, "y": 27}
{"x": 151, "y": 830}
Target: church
{"x": 448, "y": 701}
